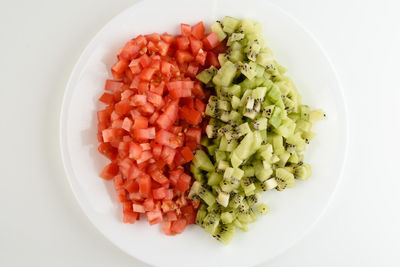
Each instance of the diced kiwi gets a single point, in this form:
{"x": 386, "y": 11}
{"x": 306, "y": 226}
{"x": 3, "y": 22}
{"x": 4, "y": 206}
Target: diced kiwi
{"x": 256, "y": 134}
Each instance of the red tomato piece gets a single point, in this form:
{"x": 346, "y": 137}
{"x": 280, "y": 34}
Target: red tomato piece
{"x": 212, "y": 59}
{"x": 163, "y": 48}
{"x": 174, "y": 175}
{"x": 183, "y": 56}
{"x": 126, "y": 94}
{"x": 157, "y": 148}
{"x": 189, "y": 214}
{"x": 148, "y": 204}
{"x": 130, "y": 50}
{"x": 152, "y": 47}
{"x": 145, "y": 186}
{"x": 130, "y": 217}
{"x": 201, "y": 57}
{"x": 179, "y": 89}
{"x": 135, "y": 151}
{"x": 182, "y": 42}
{"x": 176, "y": 129}
{"x": 145, "y": 134}
{"x": 117, "y": 124}
{"x": 138, "y": 208}
{"x": 195, "y": 45}
{"x": 118, "y": 181}
{"x": 159, "y": 193}
{"x": 159, "y": 89}
{"x": 145, "y": 156}
{"x": 113, "y": 86}
{"x": 187, "y": 154}
{"x": 127, "y": 124}
{"x": 107, "y": 150}
{"x": 155, "y": 99}
{"x": 198, "y": 30}
{"x": 168, "y": 154}
{"x": 120, "y": 66}
{"x": 171, "y": 216}
{"x": 166, "y": 228}
{"x": 169, "y": 116}
{"x": 123, "y": 107}
{"x": 140, "y": 123}
{"x": 109, "y": 171}
{"x": 131, "y": 186}
{"x": 123, "y": 149}
{"x": 154, "y": 37}
{"x": 110, "y": 135}
{"x": 103, "y": 116}
{"x": 159, "y": 177}
{"x": 193, "y": 134}
{"x": 147, "y": 109}
{"x": 147, "y": 74}
{"x": 211, "y": 41}
{"x": 200, "y": 105}
{"x": 166, "y": 138}
{"x": 192, "y": 69}
{"x": 107, "y": 98}
{"x": 154, "y": 117}
{"x": 154, "y": 217}
{"x": 168, "y": 38}
{"x": 191, "y": 116}
{"x": 135, "y": 66}
{"x": 178, "y": 226}
{"x": 144, "y": 60}
{"x": 183, "y": 182}
{"x": 186, "y": 30}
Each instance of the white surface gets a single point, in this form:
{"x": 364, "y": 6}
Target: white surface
{"x": 312, "y": 73}
{"x": 41, "y": 223}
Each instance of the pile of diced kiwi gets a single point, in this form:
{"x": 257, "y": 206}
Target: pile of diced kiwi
{"x": 257, "y": 133}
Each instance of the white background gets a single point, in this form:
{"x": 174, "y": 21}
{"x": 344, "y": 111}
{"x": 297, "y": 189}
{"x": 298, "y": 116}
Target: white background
{"x": 41, "y": 223}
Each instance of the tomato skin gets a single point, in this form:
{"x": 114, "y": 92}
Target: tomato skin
{"x": 109, "y": 171}
{"x": 107, "y": 98}
{"x": 193, "y": 69}
{"x": 187, "y": 154}
{"x": 212, "y": 59}
{"x": 198, "y": 91}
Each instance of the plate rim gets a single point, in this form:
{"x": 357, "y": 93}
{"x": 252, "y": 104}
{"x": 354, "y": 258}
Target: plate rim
{"x": 67, "y": 96}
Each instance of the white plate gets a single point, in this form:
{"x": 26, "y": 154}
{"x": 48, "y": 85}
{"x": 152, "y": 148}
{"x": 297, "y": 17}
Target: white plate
{"x": 293, "y": 211}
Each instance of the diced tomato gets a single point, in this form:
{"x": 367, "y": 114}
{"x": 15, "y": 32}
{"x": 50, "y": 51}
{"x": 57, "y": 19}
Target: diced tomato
{"x": 171, "y": 216}
{"x": 193, "y": 134}
{"x": 145, "y": 134}
{"x": 113, "y": 86}
{"x": 159, "y": 193}
{"x": 107, "y": 150}
{"x": 148, "y": 204}
{"x": 179, "y": 159}
{"x": 163, "y": 48}
{"x": 152, "y": 47}
{"x": 127, "y": 124}
{"x": 132, "y": 186}
{"x": 120, "y": 66}
{"x": 174, "y": 175}
{"x": 107, "y": 98}
{"x": 191, "y": 144}
{"x": 191, "y": 116}
{"x": 169, "y": 116}
{"x": 187, "y": 154}
{"x": 130, "y": 217}
{"x": 189, "y": 214}
{"x": 154, "y": 217}
{"x": 117, "y": 124}
{"x": 183, "y": 56}
{"x": 166, "y": 227}
{"x": 175, "y": 129}
{"x": 110, "y": 135}
{"x": 200, "y": 105}
{"x": 186, "y": 30}
{"x": 198, "y": 30}
{"x": 183, "y": 182}
{"x": 154, "y": 37}
{"x": 145, "y": 186}
{"x": 168, "y": 154}
{"x": 135, "y": 66}
{"x": 157, "y": 148}
{"x": 123, "y": 107}
{"x": 159, "y": 177}
{"x": 138, "y": 208}
{"x": 192, "y": 69}
{"x": 154, "y": 117}
{"x": 211, "y": 41}
{"x": 145, "y": 156}
{"x": 195, "y": 45}
{"x": 140, "y": 123}
{"x": 179, "y": 89}
{"x": 182, "y": 42}
{"x": 109, "y": 171}
{"x": 166, "y": 138}
{"x": 169, "y": 194}
{"x": 155, "y": 99}
{"x": 178, "y": 226}
{"x": 118, "y": 181}
{"x": 103, "y": 116}
{"x": 123, "y": 149}
{"x": 168, "y": 38}
{"x": 221, "y": 48}
{"x": 130, "y": 50}
{"x": 135, "y": 151}
{"x": 159, "y": 89}
{"x": 147, "y": 74}
{"x": 212, "y": 59}
{"x": 147, "y": 109}
{"x": 201, "y": 57}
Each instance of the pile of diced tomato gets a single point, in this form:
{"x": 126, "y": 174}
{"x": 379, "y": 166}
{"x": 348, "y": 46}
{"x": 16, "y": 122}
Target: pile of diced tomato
{"x": 153, "y": 123}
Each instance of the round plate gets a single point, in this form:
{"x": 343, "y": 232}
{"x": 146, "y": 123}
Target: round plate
{"x": 293, "y": 211}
